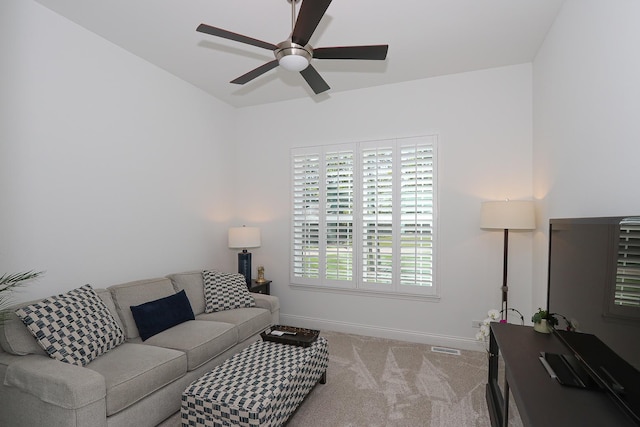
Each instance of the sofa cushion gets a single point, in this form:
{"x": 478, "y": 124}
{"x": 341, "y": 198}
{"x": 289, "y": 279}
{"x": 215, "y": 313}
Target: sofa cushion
{"x": 15, "y": 338}
{"x": 225, "y": 291}
{"x": 159, "y": 315}
{"x": 200, "y": 340}
{"x": 136, "y": 293}
{"x": 191, "y": 282}
{"x": 75, "y": 327}
{"x": 134, "y": 371}
{"x": 105, "y": 296}
{"x": 249, "y": 321}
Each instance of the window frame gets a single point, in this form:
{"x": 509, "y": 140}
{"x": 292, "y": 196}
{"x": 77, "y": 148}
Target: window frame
{"x": 357, "y": 284}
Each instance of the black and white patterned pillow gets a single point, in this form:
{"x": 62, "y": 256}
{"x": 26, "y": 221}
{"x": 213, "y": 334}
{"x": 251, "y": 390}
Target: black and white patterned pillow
{"x": 75, "y": 327}
{"x": 224, "y": 291}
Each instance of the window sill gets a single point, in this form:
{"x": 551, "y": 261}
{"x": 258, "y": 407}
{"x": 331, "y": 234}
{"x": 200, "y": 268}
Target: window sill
{"x": 367, "y": 292}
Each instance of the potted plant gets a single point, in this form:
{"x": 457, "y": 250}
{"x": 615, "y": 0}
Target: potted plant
{"x": 543, "y": 321}
{"x": 8, "y": 282}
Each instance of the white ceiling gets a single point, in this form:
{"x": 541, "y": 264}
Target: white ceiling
{"x": 426, "y": 38}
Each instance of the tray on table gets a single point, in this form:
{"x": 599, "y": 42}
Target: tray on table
{"x": 303, "y": 337}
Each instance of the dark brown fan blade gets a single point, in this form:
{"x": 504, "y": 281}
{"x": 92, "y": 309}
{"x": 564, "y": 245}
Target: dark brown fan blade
{"x": 311, "y": 12}
{"x": 219, "y": 32}
{"x": 314, "y": 79}
{"x": 257, "y": 72}
{"x": 376, "y": 52}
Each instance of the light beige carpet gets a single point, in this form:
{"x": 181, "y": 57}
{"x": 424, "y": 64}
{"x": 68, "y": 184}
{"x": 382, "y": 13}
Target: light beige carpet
{"x": 379, "y": 382}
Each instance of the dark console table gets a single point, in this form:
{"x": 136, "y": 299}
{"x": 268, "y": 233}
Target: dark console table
{"x": 541, "y": 401}
{"x": 260, "y": 288}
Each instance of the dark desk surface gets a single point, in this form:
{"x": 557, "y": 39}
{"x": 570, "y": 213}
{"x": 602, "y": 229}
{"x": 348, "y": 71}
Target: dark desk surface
{"x": 541, "y": 400}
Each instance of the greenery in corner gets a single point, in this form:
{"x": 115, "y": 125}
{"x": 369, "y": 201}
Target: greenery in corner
{"x": 9, "y": 282}
{"x": 541, "y": 314}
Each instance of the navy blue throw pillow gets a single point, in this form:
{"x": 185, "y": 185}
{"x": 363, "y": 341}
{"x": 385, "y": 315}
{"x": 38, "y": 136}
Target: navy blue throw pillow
{"x": 156, "y": 316}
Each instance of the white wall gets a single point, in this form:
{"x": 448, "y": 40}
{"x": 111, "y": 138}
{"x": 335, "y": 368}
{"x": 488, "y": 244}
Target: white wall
{"x": 586, "y": 118}
{"x": 483, "y": 120}
{"x": 110, "y": 169}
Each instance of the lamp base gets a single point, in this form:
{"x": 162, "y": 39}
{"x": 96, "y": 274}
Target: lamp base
{"x": 244, "y": 265}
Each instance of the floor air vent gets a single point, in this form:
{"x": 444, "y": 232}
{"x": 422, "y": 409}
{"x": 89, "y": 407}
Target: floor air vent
{"x": 445, "y": 350}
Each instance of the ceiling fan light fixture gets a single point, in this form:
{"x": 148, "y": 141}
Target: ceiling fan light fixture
{"x": 292, "y": 56}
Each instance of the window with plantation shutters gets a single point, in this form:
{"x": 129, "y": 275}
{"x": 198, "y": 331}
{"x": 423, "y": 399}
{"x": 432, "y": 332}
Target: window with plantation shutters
{"x": 363, "y": 216}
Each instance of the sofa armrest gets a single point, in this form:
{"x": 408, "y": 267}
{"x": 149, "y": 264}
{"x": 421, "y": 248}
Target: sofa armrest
{"x": 58, "y": 383}
{"x": 269, "y": 302}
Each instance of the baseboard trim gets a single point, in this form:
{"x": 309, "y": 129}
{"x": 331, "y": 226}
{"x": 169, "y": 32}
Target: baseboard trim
{"x": 382, "y": 332}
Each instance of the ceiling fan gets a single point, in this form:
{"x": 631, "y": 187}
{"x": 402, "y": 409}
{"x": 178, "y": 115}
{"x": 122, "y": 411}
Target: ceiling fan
{"x": 295, "y": 53}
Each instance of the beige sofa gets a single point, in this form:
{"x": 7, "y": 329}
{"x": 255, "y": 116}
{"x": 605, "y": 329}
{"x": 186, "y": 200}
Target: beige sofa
{"x": 136, "y": 383}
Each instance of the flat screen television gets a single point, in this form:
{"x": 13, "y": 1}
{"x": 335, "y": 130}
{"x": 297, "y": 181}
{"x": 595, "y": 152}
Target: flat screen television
{"x": 594, "y": 282}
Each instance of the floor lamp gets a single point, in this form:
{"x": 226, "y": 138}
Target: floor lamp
{"x": 507, "y": 215}
{"x": 244, "y": 238}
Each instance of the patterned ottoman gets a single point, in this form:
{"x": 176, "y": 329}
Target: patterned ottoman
{"x": 260, "y": 386}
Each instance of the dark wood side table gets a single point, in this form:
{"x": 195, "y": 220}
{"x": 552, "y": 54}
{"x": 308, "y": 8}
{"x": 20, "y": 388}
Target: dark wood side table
{"x": 260, "y": 288}
{"x": 541, "y": 400}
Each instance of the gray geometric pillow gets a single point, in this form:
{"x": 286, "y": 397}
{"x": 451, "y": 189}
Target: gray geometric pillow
{"x": 75, "y": 327}
{"x": 224, "y": 291}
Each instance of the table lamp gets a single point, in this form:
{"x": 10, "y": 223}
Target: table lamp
{"x": 244, "y": 238}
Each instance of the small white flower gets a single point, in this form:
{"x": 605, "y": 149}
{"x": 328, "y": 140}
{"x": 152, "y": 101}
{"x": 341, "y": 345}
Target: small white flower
{"x": 484, "y": 329}
{"x": 494, "y": 314}
{"x": 485, "y": 325}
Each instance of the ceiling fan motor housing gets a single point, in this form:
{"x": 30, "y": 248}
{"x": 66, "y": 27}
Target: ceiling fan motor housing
{"x": 292, "y": 56}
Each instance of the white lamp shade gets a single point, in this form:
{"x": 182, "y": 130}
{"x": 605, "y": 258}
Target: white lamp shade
{"x": 508, "y": 214}
{"x": 244, "y": 237}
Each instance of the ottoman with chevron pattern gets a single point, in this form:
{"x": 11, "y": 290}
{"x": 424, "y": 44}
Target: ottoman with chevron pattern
{"x": 260, "y": 386}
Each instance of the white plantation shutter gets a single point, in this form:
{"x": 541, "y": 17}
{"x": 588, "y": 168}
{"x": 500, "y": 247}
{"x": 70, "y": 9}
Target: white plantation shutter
{"x": 416, "y": 214}
{"x": 377, "y": 214}
{"x": 363, "y": 215}
{"x": 306, "y": 215}
{"x": 339, "y": 215}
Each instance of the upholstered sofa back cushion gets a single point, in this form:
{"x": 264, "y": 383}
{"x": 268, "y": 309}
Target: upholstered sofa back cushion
{"x": 191, "y": 282}
{"x": 136, "y": 293}
{"x": 16, "y": 339}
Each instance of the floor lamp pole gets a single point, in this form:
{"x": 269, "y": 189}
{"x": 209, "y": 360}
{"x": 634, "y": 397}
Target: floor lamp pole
{"x": 505, "y": 288}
